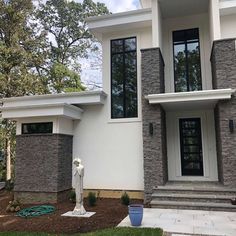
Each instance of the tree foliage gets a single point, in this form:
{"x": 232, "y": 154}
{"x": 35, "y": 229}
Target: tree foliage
{"x": 70, "y": 39}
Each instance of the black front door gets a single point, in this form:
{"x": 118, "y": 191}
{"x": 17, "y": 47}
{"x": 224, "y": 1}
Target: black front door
{"x": 191, "y": 146}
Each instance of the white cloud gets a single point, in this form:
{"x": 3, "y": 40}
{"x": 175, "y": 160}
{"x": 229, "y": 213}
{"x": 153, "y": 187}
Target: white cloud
{"x": 119, "y": 5}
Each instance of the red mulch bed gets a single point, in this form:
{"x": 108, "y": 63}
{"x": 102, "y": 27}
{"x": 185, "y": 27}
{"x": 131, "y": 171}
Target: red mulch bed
{"x": 109, "y": 213}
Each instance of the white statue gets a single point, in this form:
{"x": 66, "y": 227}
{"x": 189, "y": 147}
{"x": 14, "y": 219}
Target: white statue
{"x": 78, "y": 178}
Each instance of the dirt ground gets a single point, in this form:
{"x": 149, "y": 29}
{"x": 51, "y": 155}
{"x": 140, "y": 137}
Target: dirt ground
{"x": 109, "y": 213}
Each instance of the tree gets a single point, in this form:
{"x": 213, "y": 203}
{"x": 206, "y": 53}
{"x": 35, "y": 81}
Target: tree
{"x": 21, "y": 48}
{"x": 70, "y": 38}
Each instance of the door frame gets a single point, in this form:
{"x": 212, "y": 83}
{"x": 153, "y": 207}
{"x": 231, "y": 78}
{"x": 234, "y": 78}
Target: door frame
{"x": 210, "y": 169}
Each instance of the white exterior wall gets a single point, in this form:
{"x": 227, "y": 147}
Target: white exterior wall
{"x": 112, "y": 149}
{"x": 228, "y": 26}
{"x": 197, "y": 21}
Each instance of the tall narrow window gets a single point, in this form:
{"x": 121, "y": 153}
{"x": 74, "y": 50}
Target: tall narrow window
{"x": 187, "y": 63}
{"x": 124, "y": 78}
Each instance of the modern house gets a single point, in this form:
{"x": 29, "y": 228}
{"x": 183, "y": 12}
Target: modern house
{"x": 164, "y": 123}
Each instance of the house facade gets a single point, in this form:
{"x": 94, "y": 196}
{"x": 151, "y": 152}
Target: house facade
{"x": 167, "y": 111}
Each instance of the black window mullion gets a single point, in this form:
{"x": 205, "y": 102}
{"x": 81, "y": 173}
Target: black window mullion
{"x": 124, "y": 80}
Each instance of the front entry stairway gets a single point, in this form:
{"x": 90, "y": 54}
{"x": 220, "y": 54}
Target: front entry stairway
{"x": 194, "y": 195}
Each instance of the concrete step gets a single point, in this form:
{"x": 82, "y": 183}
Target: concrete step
{"x": 219, "y": 190}
{"x": 193, "y": 205}
{"x": 186, "y": 197}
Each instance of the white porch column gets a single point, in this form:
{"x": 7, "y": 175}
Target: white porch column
{"x": 156, "y": 24}
{"x": 214, "y": 15}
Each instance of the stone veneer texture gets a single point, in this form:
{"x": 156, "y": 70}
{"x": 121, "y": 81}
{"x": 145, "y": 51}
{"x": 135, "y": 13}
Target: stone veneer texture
{"x": 154, "y": 146}
{"x": 224, "y": 76}
{"x": 43, "y": 163}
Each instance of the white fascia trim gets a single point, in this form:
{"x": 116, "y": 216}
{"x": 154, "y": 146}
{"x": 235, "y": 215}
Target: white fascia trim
{"x": 81, "y": 98}
{"x": 227, "y": 7}
{"x": 205, "y": 95}
{"x": 118, "y": 15}
{"x": 43, "y": 110}
{"x": 102, "y": 23}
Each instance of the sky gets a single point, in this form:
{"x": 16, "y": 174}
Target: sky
{"x": 119, "y": 5}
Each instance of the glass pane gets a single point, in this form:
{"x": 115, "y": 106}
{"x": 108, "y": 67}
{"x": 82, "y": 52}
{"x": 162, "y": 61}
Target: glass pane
{"x": 190, "y": 140}
{"x": 131, "y": 84}
{"x": 37, "y": 128}
{"x": 192, "y": 157}
{"x": 117, "y": 86}
{"x": 187, "y": 64}
{"x": 191, "y": 149}
{"x": 130, "y": 44}
{"x": 192, "y": 166}
{"x": 117, "y": 46}
{"x": 180, "y": 68}
{"x": 190, "y": 132}
{"x": 194, "y": 68}
{"x": 189, "y": 124}
{"x": 192, "y": 35}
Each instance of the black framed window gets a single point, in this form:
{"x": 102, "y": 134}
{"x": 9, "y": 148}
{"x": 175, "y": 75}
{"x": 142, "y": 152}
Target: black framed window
{"x": 124, "y": 78}
{"x": 187, "y": 62}
{"x": 37, "y": 128}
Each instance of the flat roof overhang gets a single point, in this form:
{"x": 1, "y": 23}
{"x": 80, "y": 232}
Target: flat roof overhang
{"x": 49, "y": 110}
{"x": 227, "y": 7}
{"x": 100, "y": 25}
{"x": 60, "y": 105}
{"x": 190, "y": 100}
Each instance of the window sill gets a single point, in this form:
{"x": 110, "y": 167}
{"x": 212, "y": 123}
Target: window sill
{"x": 124, "y": 120}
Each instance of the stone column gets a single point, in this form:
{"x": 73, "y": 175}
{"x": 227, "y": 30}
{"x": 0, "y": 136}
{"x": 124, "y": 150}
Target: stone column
{"x": 223, "y": 61}
{"x": 154, "y": 145}
{"x": 43, "y": 168}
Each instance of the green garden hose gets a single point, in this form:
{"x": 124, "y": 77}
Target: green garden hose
{"x": 36, "y": 211}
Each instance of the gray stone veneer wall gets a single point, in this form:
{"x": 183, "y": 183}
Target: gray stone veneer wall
{"x": 154, "y": 146}
{"x": 223, "y": 61}
{"x": 43, "y": 167}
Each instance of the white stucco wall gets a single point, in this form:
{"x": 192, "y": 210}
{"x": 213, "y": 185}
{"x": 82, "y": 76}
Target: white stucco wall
{"x": 228, "y": 26}
{"x": 200, "y": 21}
{"x": 112, "y": 150}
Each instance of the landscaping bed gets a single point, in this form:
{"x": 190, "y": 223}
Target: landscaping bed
{"x": 107, "y": 232}
{"x": 109, "y": 213}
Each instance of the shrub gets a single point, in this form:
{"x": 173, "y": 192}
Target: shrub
{"x": 13, "y": 206}
{"x": 92, "y": 199}
{"x": 125, "y": 199}
{"x": 72, "y": 196}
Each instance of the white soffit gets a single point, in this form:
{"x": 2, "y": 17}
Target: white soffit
{"x": 76, "y": 98}
{"x": 43, "y": 110}
{"x": 120, "y": 21}
{"x": 227, "y": 7}
{"x": 190, "y": 100}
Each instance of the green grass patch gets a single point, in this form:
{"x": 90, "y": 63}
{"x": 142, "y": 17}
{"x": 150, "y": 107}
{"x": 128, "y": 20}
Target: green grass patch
{"x": 106, "y": 232}
{"x": 127, "y": 232}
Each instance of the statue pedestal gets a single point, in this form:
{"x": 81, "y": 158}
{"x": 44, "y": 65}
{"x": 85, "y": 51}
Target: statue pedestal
{"x": 74, "y": 214}
{"x": 79, "y": 210}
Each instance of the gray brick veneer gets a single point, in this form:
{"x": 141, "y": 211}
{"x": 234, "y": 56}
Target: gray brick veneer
{"x": 43, "y": 165}
{"x": 223, "y": 61}
{"x": 154, "y": 146}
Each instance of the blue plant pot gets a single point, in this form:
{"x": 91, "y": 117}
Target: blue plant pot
{"x": 136, "y": 214}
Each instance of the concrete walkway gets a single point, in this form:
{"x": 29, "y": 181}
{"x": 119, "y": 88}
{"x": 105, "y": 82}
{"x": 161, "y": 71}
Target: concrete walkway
{"x": 189, "y": 221}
